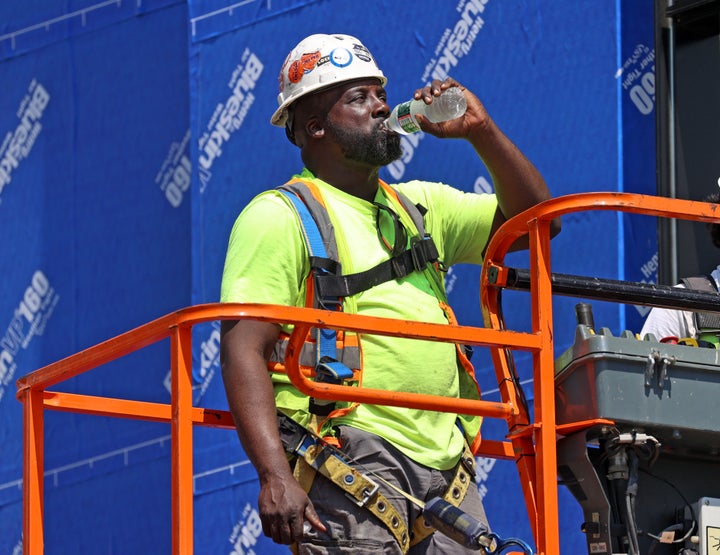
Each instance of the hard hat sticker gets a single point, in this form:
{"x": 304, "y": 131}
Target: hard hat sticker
{"x": 341, "y": 57}
{"x": 362, "y": 53}
{"x": 304, "y": 65}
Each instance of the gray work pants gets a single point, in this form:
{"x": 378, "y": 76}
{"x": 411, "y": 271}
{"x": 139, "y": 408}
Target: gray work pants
{"x": 354, "y": 530}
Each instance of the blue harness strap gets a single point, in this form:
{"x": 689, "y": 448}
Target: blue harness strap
{"x": 311, "y": 233}
{"x": 327, "y": 368}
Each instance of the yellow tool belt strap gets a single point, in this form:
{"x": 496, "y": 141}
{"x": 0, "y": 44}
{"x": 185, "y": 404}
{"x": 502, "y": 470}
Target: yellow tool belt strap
{"x": 454, "y": 495}
{"x": 360, "y": 488}
{"x": 366, "y": 494}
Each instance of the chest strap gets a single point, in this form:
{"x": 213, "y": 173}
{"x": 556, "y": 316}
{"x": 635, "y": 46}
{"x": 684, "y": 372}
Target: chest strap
{"x": 420, "y": 253}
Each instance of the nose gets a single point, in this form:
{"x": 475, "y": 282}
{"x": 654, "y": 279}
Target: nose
{"x": 381, "y": 108}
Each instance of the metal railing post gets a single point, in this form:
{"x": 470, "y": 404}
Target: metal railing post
{"x": 182, "y": 439}
{"x": 33, "y": 472}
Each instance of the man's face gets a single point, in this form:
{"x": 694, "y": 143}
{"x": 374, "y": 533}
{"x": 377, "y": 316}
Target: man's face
{"x": 355, "y": 122}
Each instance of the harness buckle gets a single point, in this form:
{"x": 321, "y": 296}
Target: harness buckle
{"x": 417, "y": 253}
{"x": 329, "y": 370}
{"x": 305, "y": 443}
{"x": 422, "y": 251}
{"x": 295, "y": 439}
{"x": 367, "y": 494}
{"x": 325, "y": 300}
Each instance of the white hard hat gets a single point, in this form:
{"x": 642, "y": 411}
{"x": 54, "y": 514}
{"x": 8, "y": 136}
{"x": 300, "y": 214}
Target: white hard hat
{"x": 320, "y": 61}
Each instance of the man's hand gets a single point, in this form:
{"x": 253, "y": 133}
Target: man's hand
{"x": 284, "y": 508}
{"x": 518, "y": 184}
{"x": 475, "y": 117}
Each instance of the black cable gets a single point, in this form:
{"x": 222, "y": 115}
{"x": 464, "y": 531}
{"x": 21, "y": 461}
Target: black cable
{"x": 630, "y": 497}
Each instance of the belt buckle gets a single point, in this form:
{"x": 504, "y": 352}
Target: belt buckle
{"x": 304, "y": 444}
{"x": 367, "y": 493}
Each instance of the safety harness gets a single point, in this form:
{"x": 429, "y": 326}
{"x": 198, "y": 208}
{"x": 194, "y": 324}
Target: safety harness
{"x": 706, "y": 323}
{"x": 335, "y": 356}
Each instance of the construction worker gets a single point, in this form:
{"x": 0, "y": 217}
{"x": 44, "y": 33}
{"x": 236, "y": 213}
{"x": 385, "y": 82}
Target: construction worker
{"x": 332, "y": 105}
{"x": 680, "y": 325}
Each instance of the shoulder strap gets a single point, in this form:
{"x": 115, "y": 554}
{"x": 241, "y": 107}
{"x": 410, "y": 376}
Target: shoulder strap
{"x": 327, "y": 366}
{"x": 318, "y": 234}
{"x": 415, "y": 211}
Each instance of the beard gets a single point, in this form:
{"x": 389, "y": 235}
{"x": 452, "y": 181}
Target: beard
{"x": 377, "y": 148}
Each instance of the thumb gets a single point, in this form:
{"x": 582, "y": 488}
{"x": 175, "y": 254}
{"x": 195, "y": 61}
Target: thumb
{"x": 312, "y": 517}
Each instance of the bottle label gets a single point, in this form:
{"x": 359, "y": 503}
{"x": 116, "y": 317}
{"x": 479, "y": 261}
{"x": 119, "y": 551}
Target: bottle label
{"x": 405, "y": 119}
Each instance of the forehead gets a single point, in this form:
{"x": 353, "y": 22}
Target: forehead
{"x": 333, "y": 93}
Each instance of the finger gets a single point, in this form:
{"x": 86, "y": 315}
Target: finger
{"x": 285, "y": 533}
{"x": 312, "y": 517}
{"x": 437, "y": 87}
{"x": 267, "y": 526}
{"x": 423, "y": 94}
{"x": 297, "y": 529}
{"x": 278, "y": 530}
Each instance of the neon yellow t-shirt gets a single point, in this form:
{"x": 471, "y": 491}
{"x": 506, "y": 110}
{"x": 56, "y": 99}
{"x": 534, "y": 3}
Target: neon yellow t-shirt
{"x": 267, "y": 262}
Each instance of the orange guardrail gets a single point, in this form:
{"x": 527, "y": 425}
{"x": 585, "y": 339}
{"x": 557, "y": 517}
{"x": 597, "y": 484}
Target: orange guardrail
{"x": 530, "y": 440}
{"x": 538, "y": 474}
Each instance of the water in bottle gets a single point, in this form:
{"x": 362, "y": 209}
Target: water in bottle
{"x": 449, "y": 105}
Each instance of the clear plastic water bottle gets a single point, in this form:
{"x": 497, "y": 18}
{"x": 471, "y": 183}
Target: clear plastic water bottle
{"x": 449, "y": 105}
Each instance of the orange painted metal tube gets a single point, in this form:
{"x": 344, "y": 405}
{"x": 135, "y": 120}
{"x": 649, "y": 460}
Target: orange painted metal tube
{"x": 377, "y": 396}
{"x": 157, "y": 330}
{"x": 126, "y": 408}
{"x": 181, "y": 433}
{"x": 33, "y": 472}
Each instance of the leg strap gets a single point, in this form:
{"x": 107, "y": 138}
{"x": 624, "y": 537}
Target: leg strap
{"x": 456, "y": 492}
{"x": 357, "y": 486}
{"x": 304, "y": 474}
{"x": 313, "y": 456}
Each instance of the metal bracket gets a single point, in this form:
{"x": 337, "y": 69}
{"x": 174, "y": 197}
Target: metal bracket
{"x": 657, "y": 364}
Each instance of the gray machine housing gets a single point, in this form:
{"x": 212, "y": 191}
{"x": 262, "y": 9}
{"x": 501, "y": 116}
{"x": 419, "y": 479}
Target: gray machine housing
{"x": 666, "y": 391}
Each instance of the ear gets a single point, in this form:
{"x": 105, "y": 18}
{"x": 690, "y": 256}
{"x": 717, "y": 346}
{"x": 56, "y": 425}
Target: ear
{"x": 314, "y": 127}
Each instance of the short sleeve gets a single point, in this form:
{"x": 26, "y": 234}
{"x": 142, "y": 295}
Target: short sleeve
{"x": 266, "y": 260}
{"x": 459, "y": 221}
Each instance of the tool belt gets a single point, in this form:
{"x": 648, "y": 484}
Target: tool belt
{"x": 313, "y": 455}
